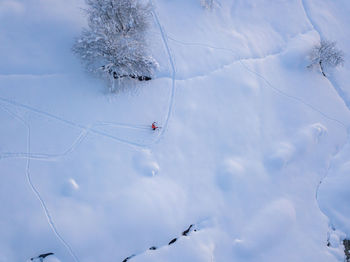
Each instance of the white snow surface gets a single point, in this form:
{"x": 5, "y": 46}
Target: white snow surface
{"x": 253, "y": 150}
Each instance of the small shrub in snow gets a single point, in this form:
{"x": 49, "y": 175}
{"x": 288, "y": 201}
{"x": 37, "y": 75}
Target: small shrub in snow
{"x": 208, "y": 4}
{"x": 325, "y": 55}
{"x": 114, "y": 43}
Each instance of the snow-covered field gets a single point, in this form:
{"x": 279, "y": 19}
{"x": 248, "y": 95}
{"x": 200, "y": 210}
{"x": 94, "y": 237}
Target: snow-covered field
{"x": 253, "y": 151}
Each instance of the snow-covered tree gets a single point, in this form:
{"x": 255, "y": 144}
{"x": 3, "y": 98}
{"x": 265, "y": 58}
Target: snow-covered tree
{"x": 115, "y": 41}
{"x": 326, "y": 54}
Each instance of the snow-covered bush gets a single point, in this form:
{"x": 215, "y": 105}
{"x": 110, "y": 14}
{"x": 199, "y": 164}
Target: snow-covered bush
{"x": 326, "y": 54}
{"x": 114, "y": 43}
{"x": 208, "y": 4}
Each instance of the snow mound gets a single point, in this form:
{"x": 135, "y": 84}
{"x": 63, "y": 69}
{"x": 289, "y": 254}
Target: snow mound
{"x": 230, "y": 172}
{"x": 280, "y": 156}
{"x": 69, "y": 187}
{"x": 308, "y": 137}
{"x": 145, "y": 163}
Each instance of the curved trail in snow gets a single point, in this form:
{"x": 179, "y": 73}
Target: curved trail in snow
{"x": 173, "y": 75}
{"x": 121, "y": 125}
{"x": 35, "y": 190}
{"x": 345, "y": 101}
{"x": 47, "y": 157}
{"x": 81, "y": 137}
{"x": 267, "y": 82}
{"x": 236, "y": 58}
{"x": 31, "y": 75}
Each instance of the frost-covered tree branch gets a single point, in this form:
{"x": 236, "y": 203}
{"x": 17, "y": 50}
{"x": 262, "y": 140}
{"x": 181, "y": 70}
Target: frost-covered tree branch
{"x": 326, "y": 55}
{"x": 114, "y": 43}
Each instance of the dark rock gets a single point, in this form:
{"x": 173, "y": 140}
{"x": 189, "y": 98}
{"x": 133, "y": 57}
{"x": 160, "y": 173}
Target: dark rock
{"x": 185, "y": 233}
{"x": 126, "y": 259}
{"x": 172, "y": 241}
{"x": 346, "y": 243}
{"x": 42, "y": 256}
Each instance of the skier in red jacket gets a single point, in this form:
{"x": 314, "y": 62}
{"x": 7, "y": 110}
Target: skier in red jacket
{"x": 154, "y": 126}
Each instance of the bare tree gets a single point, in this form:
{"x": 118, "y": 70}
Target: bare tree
{"x": 114, "y": 43}
{"x": 326, "y": 54}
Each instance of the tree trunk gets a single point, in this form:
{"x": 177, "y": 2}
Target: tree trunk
{"x": 112, "y": 84}
{"x": 323, "y": 73}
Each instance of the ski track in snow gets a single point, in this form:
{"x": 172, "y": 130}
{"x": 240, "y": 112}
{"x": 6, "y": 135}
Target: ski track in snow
{"x": 36, "y": 191}
{"x": 77, "y": 125}
{"x": 267, "y": 82}
{"x": 128, "y": 126}
{"x": 82, "y": 136}
{"x": 30, "y": 75}
{"x": 47, "y": 157}
{"x": 237, "y": 58}
{"x": 173, "y": 70}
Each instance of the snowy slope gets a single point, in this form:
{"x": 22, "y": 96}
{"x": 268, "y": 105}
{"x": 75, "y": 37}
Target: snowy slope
{"x": 254, "y": 149}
